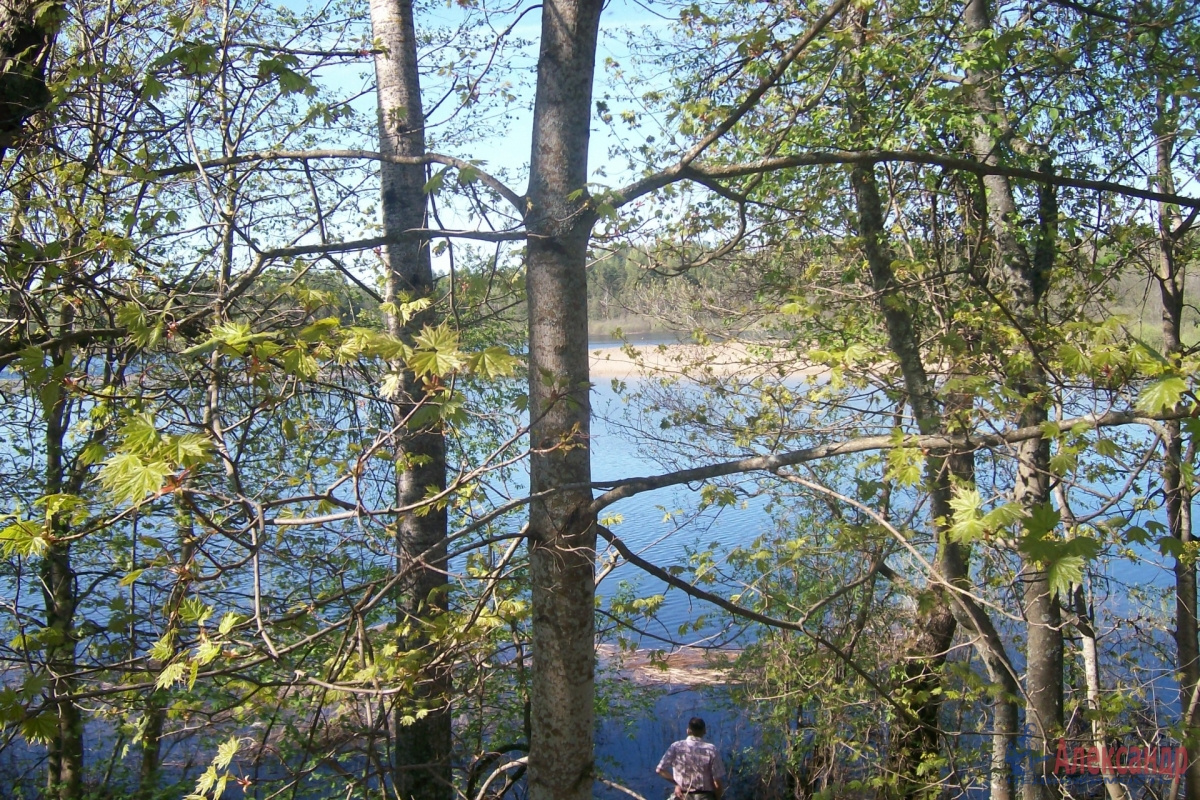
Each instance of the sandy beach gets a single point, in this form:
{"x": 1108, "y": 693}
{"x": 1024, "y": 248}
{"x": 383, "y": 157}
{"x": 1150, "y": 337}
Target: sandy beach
{"x": 727, "y": 359}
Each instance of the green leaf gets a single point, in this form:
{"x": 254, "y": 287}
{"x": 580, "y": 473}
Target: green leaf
{"x": 434, "y": 184}
{"x": 434, "y": 362}
{"x": 1170, "y": 546}
{"x": 494, "y": 362}
{"x": 24, "y": 539}
{"x": 467, "y": 175}
{"x": 904, "y": 465}
{"x": 1161, "y": 395}
{"x": 193, "y": 610}
{"x": 226, "y": 752}
{"x": 129, "y": 579}
{"x": 968, "y": 519}
{"x": 164, "y": 649}
{"x": 171, "y": 675}
{"x": 140, "y": 434}
{"x": 40, "y": 729}
{"x": 92, "y": 453}
{"x": 290, "y": 81}
{"x": 1002, "y": 516}
{"x": 227, "y": 623}
{"x": 297, "y": 361}
{"x": 190, "y": 449}
{"x": 1042, "y": 519}
{"x": 392, "y": 385}
{"x": 1064, "y": 572}
{"x": 320, "y": 330}
{"x": 129, "y": 479}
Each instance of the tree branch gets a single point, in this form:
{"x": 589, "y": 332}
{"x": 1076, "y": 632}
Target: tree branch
{"x": 325, "y": 248}
{"x": 751, "y": 99}
{"x": 743, "y": 612}
{"x": 702, "y": 172}
{"x": 514, "y": 199}
{"x": 628, "y": 487}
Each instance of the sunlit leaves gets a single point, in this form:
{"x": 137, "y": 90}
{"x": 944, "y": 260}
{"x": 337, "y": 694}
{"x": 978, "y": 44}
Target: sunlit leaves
{"x": 968, "y": 517}
{"x": 905, "y": 465}
{"x": 233, "y": 338}
{"x": 128, "y": 478}
{"x": 299, "y": 362}
{"x": 147, "y": 458}
{"x": 1162, "y": 395}
{"x": 436, "y": 351}
{"x": 23, "y": 538}
{"x": 492, "y": 362}
{"x": 144, "y": 333}
{"x": 214, "y": 779}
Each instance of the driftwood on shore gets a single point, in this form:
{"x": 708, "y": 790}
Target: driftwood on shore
{"x": 685, "y": 666}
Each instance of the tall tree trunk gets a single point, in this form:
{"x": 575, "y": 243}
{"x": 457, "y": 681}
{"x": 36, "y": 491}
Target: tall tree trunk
{"x": 422, "y": 750}
{"x": 562, "y": 536}
{"x": 1170, "y": 275}
{"x": 1019, "y": 280}
{"x": 65, "y": 758}
{"x": 936, "y": 625}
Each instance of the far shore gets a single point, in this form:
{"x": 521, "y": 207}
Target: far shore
{"x": 722, "y": 360}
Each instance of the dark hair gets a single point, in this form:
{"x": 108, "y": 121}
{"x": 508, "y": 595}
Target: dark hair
{"x": 696, "y": 727}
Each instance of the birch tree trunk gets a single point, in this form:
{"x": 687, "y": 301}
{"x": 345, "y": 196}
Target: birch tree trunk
{"x": 422, "y": 749}
{"x": 1091, "y": 675}
{"x": 562, "y": 536}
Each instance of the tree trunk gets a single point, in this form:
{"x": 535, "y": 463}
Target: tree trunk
{"x": 562, "y": 536}
{"x": 1020, "y": 279}
{"x": 1091, "y": 676}
{"x": 65, "y": 757}
{"x": 27, "y": 30}
{"x": 1170, "y": 276}
{"x": 936, "y": 626}
{"x": 422, "y": 749}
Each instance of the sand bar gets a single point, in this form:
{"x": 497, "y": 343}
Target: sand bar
{"x": 726, "y": 359}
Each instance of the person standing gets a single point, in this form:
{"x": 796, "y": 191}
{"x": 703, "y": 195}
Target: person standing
{"x": 694, "y": 765}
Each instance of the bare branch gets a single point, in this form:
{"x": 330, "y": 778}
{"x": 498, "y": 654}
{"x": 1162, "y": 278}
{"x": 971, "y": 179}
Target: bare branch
{"x": 703, "y": 172}
{"x": 515, "y": 200}
{"x": 628, "y": 487}
{"x": 751, "y": 99}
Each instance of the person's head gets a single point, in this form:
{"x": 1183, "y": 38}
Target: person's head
{"x": 696, "y": 727}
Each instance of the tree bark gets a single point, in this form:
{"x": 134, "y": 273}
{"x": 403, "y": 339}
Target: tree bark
{"x": 1091, "y": 675}
{"x": 936, "y": 625}
{"x": 27, "y": 31}
{"x": 1019, "y": 279}
{"x": 65, "y": 752}
{"x": 562, "y": 536}
{"x": 422, "y": 749}
{"x": 1178, "y": 493}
